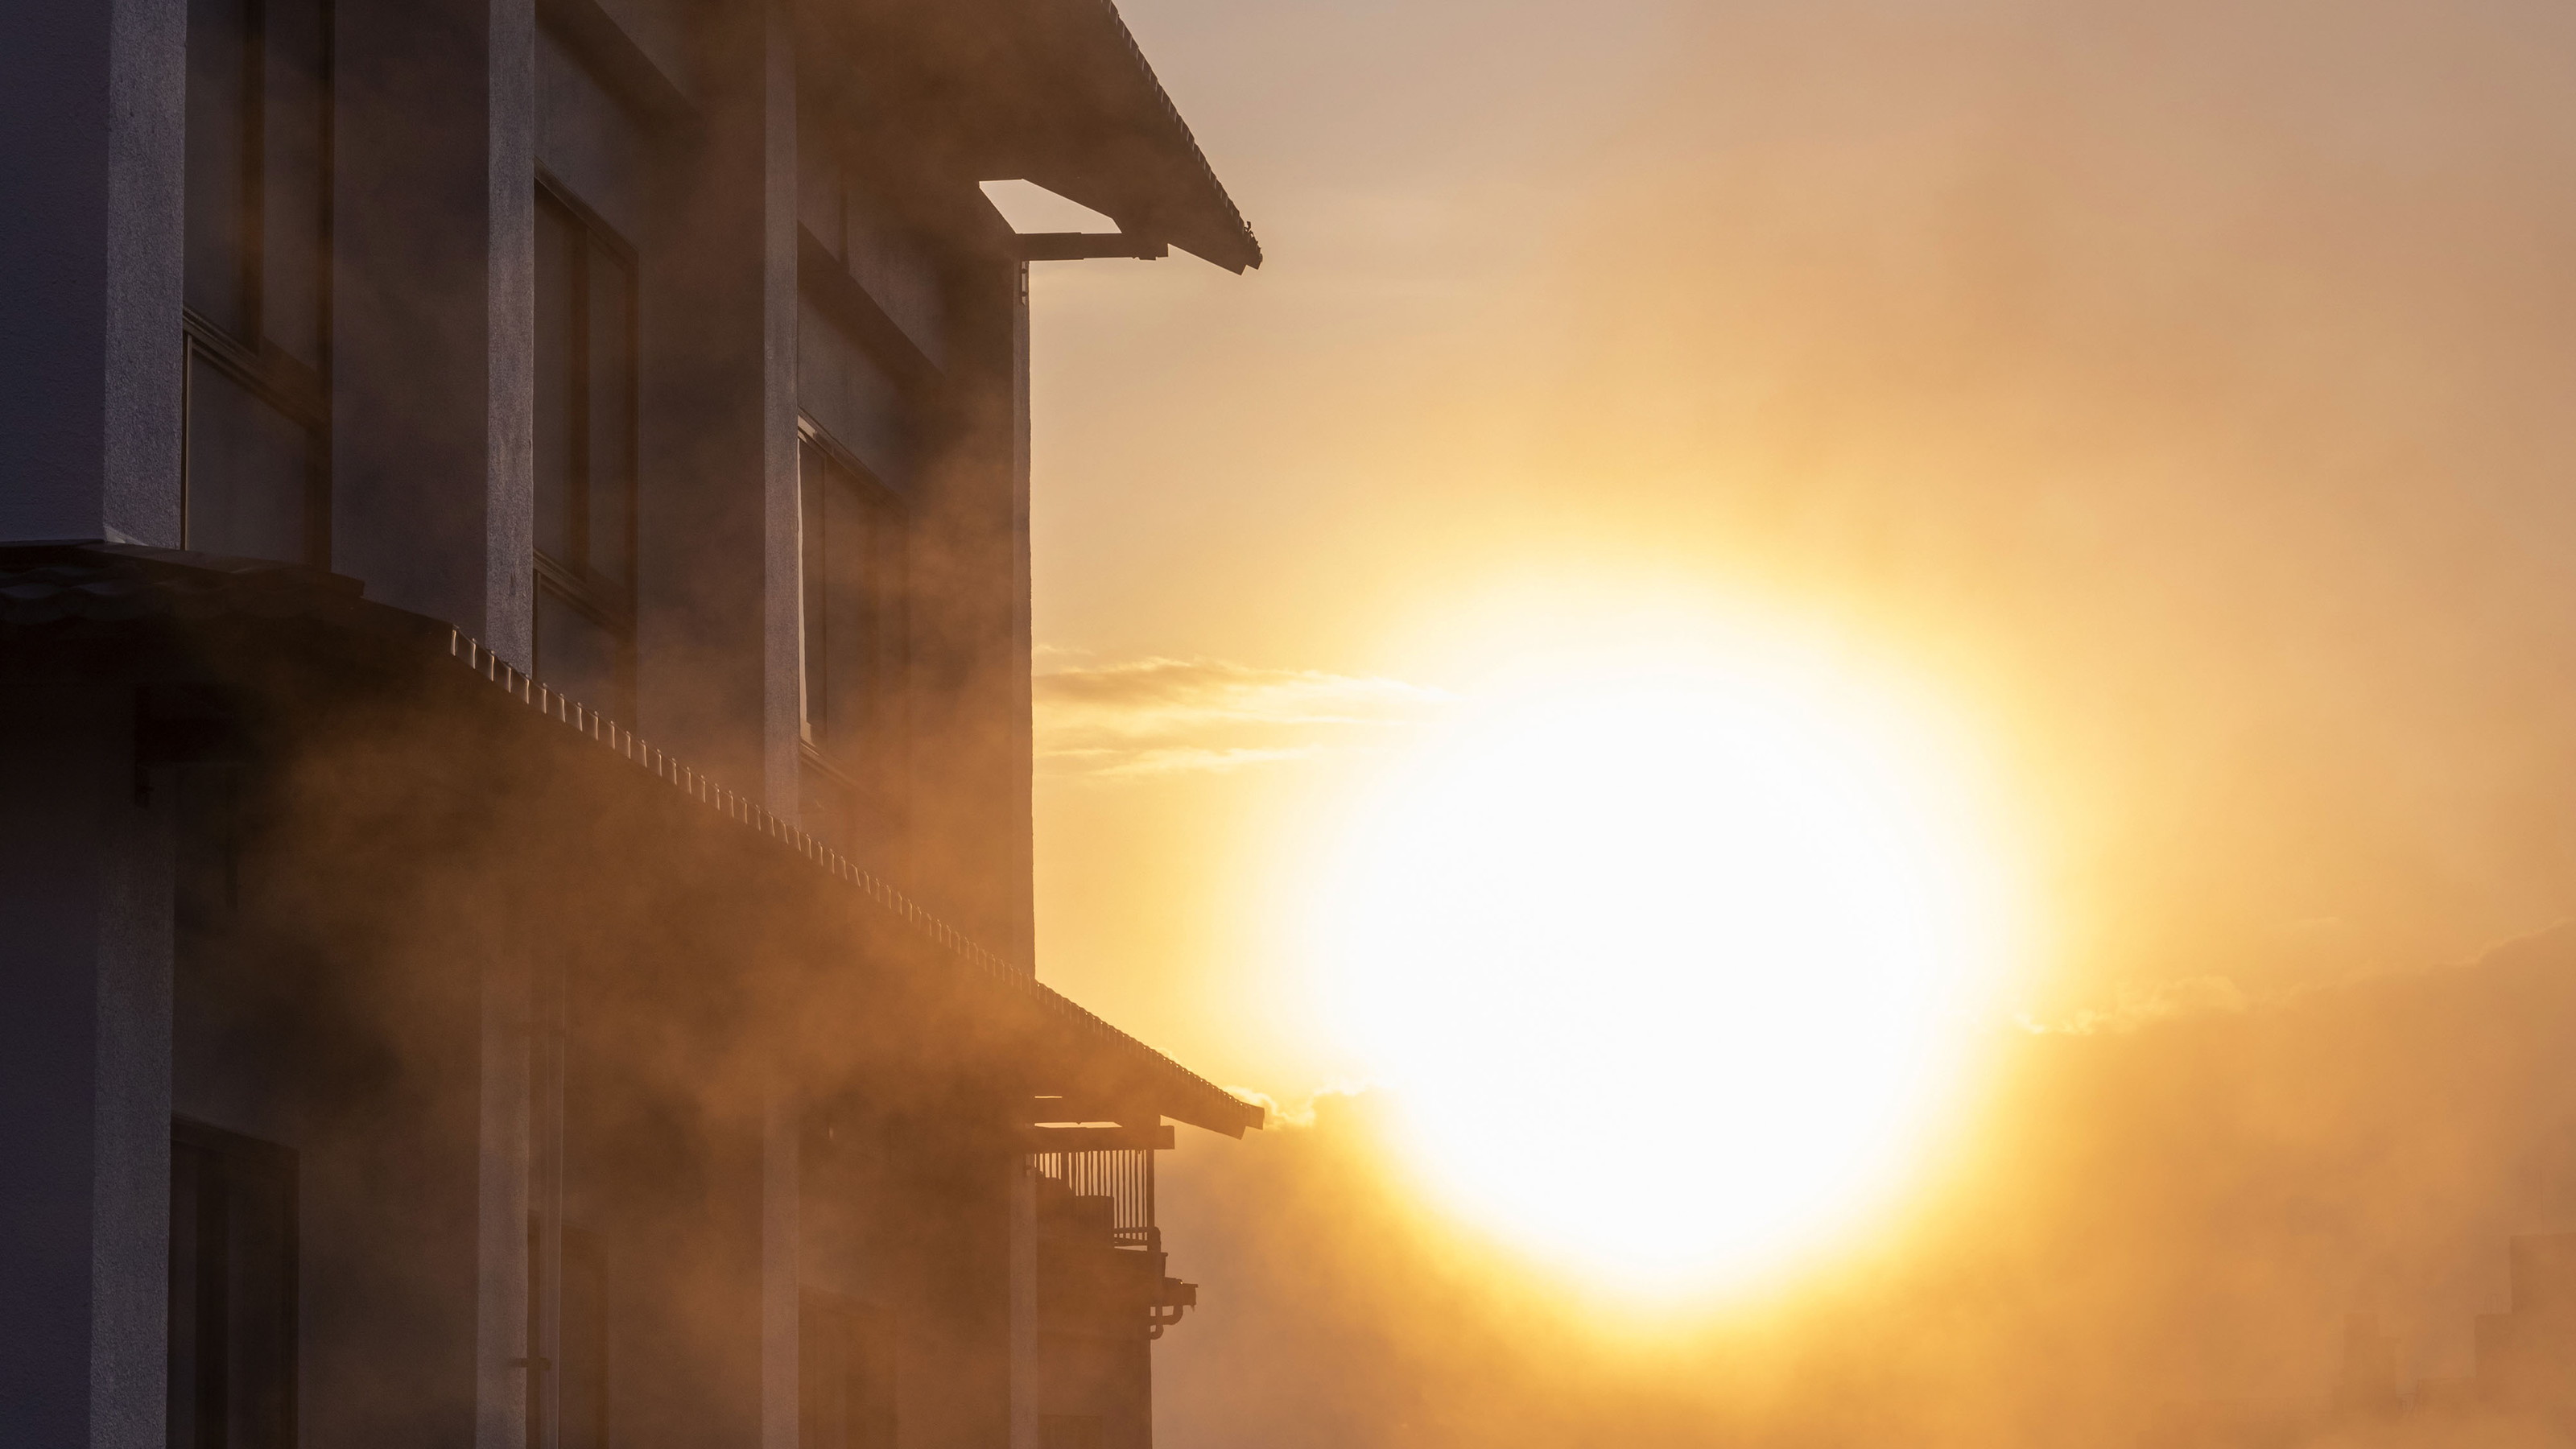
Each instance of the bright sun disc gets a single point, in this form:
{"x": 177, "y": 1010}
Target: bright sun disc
{"x": 1670, "y": 972}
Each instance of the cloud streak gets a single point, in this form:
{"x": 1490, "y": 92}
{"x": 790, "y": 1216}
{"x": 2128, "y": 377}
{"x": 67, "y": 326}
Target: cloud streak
{"x": 1158, "y": 716}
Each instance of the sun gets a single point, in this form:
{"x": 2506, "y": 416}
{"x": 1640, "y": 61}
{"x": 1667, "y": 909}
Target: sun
{"x": 1673, "y": 971}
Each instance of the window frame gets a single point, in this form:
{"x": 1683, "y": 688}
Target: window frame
{"x": 604, "y": 601}
{"x": 889, "y": 509}
{"x": 861, "y": 769}
{"x": 268, "y": 371}
{"x": 849, "y": 1372}
{"x": 284, "y": 1161}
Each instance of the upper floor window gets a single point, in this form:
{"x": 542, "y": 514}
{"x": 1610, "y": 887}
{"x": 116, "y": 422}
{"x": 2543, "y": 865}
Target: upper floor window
{"x": 586, "y": 459}
{"x": 254, "y": 477}
{"x": 850, "y": 541}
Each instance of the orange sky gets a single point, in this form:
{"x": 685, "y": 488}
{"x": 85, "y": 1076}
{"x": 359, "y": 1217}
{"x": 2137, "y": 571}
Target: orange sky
{"x": 2176, "y": 392}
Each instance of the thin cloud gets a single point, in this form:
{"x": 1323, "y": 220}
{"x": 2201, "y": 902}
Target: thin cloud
{"x": 1159, "y": 716}
{"x": 1144, "y": 696}
{"x": 1183, "y": 759}
{"x": 1301, "y": 1112}
{"x": 2149, "y": 1003}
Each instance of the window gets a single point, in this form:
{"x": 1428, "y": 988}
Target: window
{"x": 573, "y": 1370}
{"x": 256, "y": 238}
{"x": 586, "y": 450}
{"x": 850, "y": 543}
{"x": 845, "y": 1375}
{"x": 1069, "y": 1431}
{"x": 232, "y": 1292}
{"x": 581, "y": 1349}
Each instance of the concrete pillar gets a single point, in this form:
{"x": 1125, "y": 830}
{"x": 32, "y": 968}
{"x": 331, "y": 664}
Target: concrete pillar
{"x": 92, "y": 100}
{"x": 971, "y": 626}
{"x": 510, "y": 300}
{"x": 782, "y": 652}
{"x": 85, "y": 951}
{"x": 952, "y": 1274}
{"x": 717, "y": 649}
{"x": 434, "y": 310}
{"x": 781, "y": 1269}
{"x": 504, "y": 1355}
{"x": 1026, "y": 1378}
{"x": 1018, "y": 761}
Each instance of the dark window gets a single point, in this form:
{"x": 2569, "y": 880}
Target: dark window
{"x": 574, "y": 1369}
{"x": 257, "y": 244}
{"x": 850, "y": 541}
{"x": 581, "y": 1353}
{"x": 845, "y": 1374}
{"x": 232, "y": 1292}
{"x": 250, "y": 469}
{"x": 585, "y": 446}
{"x": 1069, "y": 1431}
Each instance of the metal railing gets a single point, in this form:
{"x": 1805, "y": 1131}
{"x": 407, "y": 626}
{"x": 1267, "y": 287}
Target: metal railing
{"x": 564, "y": 710}
{"x": 1123, "y": 1175}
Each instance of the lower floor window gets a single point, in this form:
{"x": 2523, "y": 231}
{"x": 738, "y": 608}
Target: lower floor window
{"x": 846, "y": 1374}
{"x": 581, "y": 1350}
{"x": 1069, "y": 1431}
{"x": 232, "y": 1291}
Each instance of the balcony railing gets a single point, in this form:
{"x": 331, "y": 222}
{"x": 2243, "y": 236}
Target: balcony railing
{"x": 1123, "y": 1175}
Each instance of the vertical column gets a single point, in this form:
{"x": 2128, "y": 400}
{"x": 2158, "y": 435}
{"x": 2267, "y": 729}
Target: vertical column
{"x": 782, "y": 655}
{"x": 92, "y": 100}
{"x": 434, "y": 309}
{"x": 970, "y": 704}
{"x": 715, "y": 598}
{"x": 548, "y": 1026}
{"x": 951, "y": 1267}
{"x": 85, "y": 942}
{"x": 510, "y": 426}
{"x": 505, "y": 1355}
{"x": 781, "y": 1273}
{"x": 1025, "y": 1372}
{"x": 1020, "y": 759}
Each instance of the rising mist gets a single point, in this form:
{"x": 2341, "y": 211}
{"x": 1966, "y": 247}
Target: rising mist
{"x": 2184, "y": 388}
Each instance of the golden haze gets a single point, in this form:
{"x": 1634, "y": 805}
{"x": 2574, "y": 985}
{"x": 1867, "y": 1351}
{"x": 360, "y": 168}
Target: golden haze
{"x": 2179, "y": 389}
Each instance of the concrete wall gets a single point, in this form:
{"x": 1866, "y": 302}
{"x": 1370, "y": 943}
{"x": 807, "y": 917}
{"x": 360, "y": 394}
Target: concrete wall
{"x": 85, "y": 1071}
{"x": 433, "y": 309}
{"x": 407, "y": 1071}
{"x": 91, "y": 102}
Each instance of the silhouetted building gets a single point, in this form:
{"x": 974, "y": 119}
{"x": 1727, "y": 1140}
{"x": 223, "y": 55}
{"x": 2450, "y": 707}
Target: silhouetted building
{"x": 2527, "y": 1356}
{"x": 515, "y": 916}
{"x": 2523, "y": 1373}
{"x": 2367, "y": 1383}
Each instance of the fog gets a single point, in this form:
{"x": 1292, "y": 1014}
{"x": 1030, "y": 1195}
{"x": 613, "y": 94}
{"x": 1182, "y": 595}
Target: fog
{"x": 2181, "y": 387}
{"x": 2161, "y": 1235}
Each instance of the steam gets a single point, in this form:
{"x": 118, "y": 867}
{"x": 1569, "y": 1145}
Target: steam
{"x": 2158, "y": 1239}
{"x": 2188, "y": 384}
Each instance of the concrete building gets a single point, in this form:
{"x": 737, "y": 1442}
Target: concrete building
{"x": 2526, "y": 1356}
{"x": 515, "y": 921}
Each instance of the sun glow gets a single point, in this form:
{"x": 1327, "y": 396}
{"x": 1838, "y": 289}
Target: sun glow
{"x": 1673, "y": 971}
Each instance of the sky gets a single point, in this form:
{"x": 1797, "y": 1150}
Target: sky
{"x": 2169, "y": 403}
{"x": 2177, "y": 395}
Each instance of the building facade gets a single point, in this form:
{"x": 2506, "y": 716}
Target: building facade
{"x": 515, "y": 919}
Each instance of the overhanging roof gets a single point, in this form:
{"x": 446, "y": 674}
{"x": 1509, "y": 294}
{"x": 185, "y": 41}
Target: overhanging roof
{"x": 81, "y": 595}
{"x": 1054, "y": 92}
